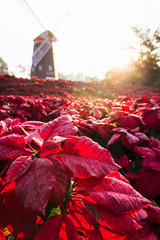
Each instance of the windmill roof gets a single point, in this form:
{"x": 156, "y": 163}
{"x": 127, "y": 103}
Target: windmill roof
{"x": 46, "y": 34}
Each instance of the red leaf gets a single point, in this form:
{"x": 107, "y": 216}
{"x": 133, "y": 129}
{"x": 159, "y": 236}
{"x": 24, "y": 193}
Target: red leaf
{"x": 118, "y": 223}
{"x": 3, "y": 127}
{"x": 57, "y": 227}
{"x": 95, "y": 235}
{"x": 150, "y": 157}
{"x": 12, "y": 146}
{"x": 59, "y": 189}
{"x": 83, "y": 218}
{"x": 123, "y": 161}
{"x": 34, "y": 187}
{"x": 18, "y": 168}
{"x": 2, "y": 236}
{"x": 61, "y": 126}
{"x": 86, "y": 158}
{"x": 117, "y": 196}
{"x": 148, "y": 183}
{"x": 13, "y": 214}
{"x": 142, "y": 136}
{"x": 32, "y": 125}
{"x": 151, "y": 119}
{"x": 49, "y": 148}
{"x": 153, "y": 213}
{"x": 113, "y": 139}
{"x": 148, "y": 231}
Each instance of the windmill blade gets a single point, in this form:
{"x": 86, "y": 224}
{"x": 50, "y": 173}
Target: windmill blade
{"x": 28, "y": 10}
{"x": 60, "y": 18}
{"x": 41, "y": 51}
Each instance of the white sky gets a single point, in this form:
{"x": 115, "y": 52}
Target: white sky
{"x": 91, "y": 39}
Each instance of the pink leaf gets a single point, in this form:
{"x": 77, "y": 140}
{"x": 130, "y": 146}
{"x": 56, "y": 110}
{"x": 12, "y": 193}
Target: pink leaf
{"x": 86, "y": 158}
{"x": 61, "y": 126}
{"x": 18, "y": 168}
{"x": 34, "y": 187}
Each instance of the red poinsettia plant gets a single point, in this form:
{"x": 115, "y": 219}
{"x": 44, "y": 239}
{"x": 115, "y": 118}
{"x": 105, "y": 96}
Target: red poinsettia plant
{"x": 58, "y": 185}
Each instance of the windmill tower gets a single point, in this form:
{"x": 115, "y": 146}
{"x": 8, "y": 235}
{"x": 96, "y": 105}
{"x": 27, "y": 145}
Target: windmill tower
{"x": 43, "y": 61}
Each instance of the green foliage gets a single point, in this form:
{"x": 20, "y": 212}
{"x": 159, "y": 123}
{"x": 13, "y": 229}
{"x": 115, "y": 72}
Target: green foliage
{"x": 3, "y": 66}
{"x": 146, "y": 69}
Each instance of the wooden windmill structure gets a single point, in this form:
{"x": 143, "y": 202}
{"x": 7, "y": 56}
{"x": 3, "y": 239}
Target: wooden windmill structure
{"x": 43, "y": 61}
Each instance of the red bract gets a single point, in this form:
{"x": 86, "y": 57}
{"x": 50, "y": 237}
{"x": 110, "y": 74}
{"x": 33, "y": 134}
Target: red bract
{"x": 2, "y": 236}
{"x": 12, "y": 146}
{"x": 56, "y": 228}
{"x": 151, "y": 157}
{"x": 150, "y": 116}
{"x": 55, "y": 185}
{"x": 117, "y": 196}
{"x": 19, "y": 220}
{"x": 34, "y": 187}
{"x": 62, "y": 126}
{"x": 85, "y": 158}
{"x": 147, "y": 183}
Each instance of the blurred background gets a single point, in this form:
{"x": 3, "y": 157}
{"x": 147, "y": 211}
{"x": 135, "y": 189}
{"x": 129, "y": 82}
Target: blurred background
{"x": 114, "y": 40}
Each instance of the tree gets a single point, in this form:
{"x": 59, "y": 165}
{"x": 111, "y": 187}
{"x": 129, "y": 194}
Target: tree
{"x": 147, "y": 65}
{"x": 24, "y": 71}
{"x": 3, "y": 66}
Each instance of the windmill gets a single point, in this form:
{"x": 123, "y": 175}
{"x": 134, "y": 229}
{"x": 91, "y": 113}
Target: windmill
{"x": 43, "y": 61}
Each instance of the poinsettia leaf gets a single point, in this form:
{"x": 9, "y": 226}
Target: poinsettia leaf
{"x": 30, "y": 136}
{"x": 12, "y": 146}
{"x": 59, "y": 189}
{"x": 117, "y": 196}
{"x": 3, "y": 127}
{"x": 32, "y": 125}
{"x": 123, "y": 161}
{"x": 49, "y": 148}
{"x": 148, "y": 231}
{"x": 18, "y": 167}
{"x": 113, "y": 139}
{"x": 86, "y": 158}
{"x": 153, "y": 213}
{"x": 55, "y": 228}
{"x": 34, "y": 187}
{"x": 118, "y": 223}
{"x": 131, "y": 138}
{"x": 14, "y": 215}
{"x": 147, "y": 183}
{"x": 142, "y": 136}
{"x": 18, "y": 129}
{"x": 83, "y": 218}
{"x": 2, "y": 236}
{"x": 150, "y": 118}
{"x": 70, "y": 229}
{"x": 61, "y": 126}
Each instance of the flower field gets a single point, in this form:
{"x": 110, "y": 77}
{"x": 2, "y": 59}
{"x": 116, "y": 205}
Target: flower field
{"x": 78, "y": 168}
